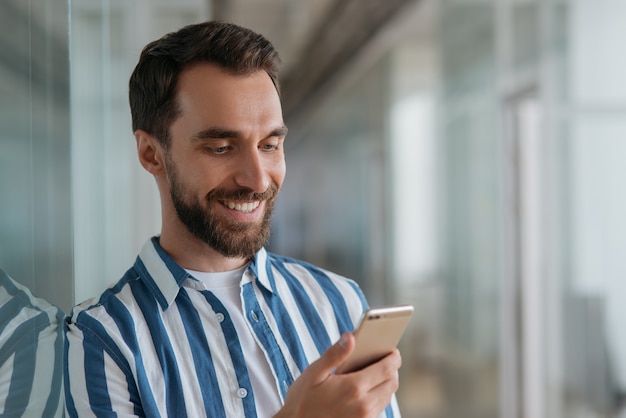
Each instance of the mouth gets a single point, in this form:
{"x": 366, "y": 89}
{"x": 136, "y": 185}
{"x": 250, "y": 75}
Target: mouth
{"x": 244, "y": 207}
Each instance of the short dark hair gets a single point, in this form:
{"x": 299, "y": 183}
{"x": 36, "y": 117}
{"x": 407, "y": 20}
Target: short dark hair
{"x": 152, "y": 86}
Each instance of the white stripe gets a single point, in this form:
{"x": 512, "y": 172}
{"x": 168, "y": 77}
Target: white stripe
{"x": 4, "y": 296}
{"x": 291, "y": 363}
{"x": 321, "y": 301}
{"x": 45, "y": 362}
{"x": 6, "y": 372}
{"x": 306, "y": 339}
{"x": 120, "y": 397}
{"x": 174, "y": 327}
{"x": 186, "y": 366}
{"x": 142, "y": 332}
{"x": 78, "y": 382}
{"x": 151, "y": 365}
{"x": 157, "y": 268}
{"x": 223, "y": 364}
{"x": 349, "y": 295}
{"x": 24, "y": 315}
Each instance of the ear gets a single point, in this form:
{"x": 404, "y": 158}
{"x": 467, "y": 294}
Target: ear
{"x": 150, "y": 152}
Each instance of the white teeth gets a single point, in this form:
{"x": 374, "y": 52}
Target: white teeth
{"x": 243, "y": 207}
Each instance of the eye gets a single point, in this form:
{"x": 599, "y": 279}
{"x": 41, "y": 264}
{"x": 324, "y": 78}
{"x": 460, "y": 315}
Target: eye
{"x": 272, "y": 144}
{"x": 220, "y": 150}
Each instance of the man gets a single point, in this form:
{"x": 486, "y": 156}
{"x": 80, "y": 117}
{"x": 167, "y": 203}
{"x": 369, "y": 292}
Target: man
{"x": 206, "y": 322}
{"x": 31, "y": 346}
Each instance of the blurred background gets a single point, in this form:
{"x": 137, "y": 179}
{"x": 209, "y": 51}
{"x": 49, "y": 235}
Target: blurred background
{"x": 464, "y": 156}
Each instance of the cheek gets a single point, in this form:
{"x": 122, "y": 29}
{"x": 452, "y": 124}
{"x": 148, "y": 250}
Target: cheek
{"x": 279, "y": 172}
{"x": 205, "y": 176}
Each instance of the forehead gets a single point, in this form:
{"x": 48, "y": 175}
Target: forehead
{"x": 208, "y": 91}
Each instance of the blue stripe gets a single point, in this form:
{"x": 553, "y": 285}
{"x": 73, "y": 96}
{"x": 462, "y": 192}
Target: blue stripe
{"x": 69, "y": 400}
{"x": 7, "y": 283}
{"x": 313, "y": 321}
{"x": 57, "y": 376}
{"x": 95, "y": 334}
{"x": 337, "y": 301}
{"x": 26, "y": 342}
{"x": 148, "y": 281}
{"x": 286, "y": 327}
{"x": 236, "y": 353}
{"x": 98, "y": 393}
{"x": 27, "y": 331}
{"x": 179, "y": 273}
{"x": 96, "y": 342}
{"x": 139, "y": 389}
{"x": 265, "y": 335}
{"x": 202, "y": 358}
{"x": 359, "y": 293}
{"x": 175, "y": 401}
{"x": 149, "y": 310}
{"x": 12, "y": 309}
{"x": 23, "y": 344}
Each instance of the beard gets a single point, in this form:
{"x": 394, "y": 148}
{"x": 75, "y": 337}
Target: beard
{"x": 229, "y": 238}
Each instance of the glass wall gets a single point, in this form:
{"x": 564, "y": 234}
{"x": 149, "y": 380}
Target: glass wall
{"x": 592, "y": 116}
{"x": 36, "y": 256}
{"x": 115, "y": 202}
{"x": 35, "y": 226}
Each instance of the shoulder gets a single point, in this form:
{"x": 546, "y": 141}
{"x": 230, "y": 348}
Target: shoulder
{"x": 300, "y": 269}
{"x": 108, "y": 303}
{"x": 26, "y": 320}
{"x": 315, "y": 280}
{"x": 24, "y": 304}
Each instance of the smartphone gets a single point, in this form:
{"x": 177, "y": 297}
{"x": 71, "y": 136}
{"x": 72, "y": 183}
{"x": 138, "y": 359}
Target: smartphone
{"x": 377, "y": 335}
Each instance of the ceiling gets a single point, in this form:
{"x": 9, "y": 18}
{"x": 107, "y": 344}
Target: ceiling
{"x": 315, "y": 38}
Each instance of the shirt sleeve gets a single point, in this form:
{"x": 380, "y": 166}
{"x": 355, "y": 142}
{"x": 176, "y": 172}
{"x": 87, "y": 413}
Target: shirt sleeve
{"x": 98, "y": 382}
{"x": 31, "y": 345}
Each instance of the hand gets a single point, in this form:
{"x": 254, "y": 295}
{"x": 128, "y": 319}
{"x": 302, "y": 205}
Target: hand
{"x": 318, "y": 392}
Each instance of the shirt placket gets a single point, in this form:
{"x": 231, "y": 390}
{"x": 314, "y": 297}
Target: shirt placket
{"x": 265, "y": 335}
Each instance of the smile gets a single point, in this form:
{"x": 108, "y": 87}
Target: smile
{"x": 242, "y": 206}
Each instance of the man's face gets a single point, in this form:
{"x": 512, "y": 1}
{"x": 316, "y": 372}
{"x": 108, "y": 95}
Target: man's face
{"x": 225, "y": 163}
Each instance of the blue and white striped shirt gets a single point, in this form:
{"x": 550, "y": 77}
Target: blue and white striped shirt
{"x": 159, "y": 344}
{"x": 31, "y": 347}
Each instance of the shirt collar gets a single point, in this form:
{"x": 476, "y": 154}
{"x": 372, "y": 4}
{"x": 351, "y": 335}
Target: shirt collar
{"x": 164, "y": 277}
{"x": 262, "y": 269}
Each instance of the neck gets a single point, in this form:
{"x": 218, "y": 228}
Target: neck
{"x": 193, "y": 254}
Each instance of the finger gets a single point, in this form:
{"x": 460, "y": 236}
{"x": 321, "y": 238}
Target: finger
{"x": 381, "y": 371}
{"x": 381, "y": 395}
{"x": 333, "y": 357}
{"x": 388, "y": 385}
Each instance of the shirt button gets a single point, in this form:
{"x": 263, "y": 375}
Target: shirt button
{"x": 220, "y": 317}
{"x": 242, "y": 393}
{"x": 253, "y": 315}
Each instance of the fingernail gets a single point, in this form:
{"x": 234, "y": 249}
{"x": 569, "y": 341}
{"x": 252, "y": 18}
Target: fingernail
{"x": 343, "y": 341}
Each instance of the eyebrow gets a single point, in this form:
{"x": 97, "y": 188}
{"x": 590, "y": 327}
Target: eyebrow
{"x": 222, "y": 133}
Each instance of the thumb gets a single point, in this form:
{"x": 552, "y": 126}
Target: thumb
{"x": 333, "y": 357}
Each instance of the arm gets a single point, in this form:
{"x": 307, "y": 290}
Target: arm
{"x": 96, "y": 383}
{"x": 31, "y": 345}
{"x": 30, "y": 369}
{"x": 320, "y": 392}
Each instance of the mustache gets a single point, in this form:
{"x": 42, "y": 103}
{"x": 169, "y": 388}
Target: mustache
{"x": 242, "y": 194}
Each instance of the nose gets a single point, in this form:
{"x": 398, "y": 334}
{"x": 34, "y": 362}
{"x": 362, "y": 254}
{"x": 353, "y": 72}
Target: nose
{"x": 253, "y": 171}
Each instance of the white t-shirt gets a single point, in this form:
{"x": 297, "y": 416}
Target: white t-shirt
{"x": 227, "y": 287}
